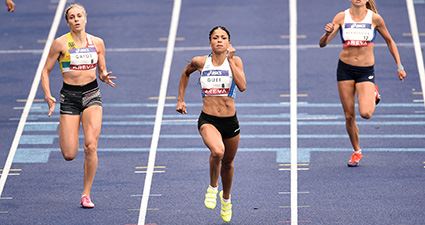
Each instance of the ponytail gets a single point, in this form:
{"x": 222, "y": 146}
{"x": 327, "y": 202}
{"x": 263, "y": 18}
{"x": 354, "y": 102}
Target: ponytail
{"x": 372, "y": 6}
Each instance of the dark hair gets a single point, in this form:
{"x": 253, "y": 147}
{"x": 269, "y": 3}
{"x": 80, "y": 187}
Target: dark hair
{"x": 72, "y": 6}
{"x": 219, "y": 27}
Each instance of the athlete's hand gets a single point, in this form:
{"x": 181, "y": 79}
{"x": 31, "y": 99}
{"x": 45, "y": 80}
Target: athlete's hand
{"x": 10, "y": 5}
{"x": 329, "y": 28}
{"x": 402, "y": 75}
{"x": 181, "y": 107}
{"x": 51, "y": 102}
{"x": 230, "y": 51}
{"x": 108, "y": 79}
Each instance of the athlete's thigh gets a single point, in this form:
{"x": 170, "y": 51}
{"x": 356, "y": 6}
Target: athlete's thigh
{"x": 69, "y": 126}
{"x": 347, "y": 92}
{"x": 231, "y": 147}
{"x": 211, "y": 137}
{"x": 366, "y": 95}
{"x": 92, "y": 123}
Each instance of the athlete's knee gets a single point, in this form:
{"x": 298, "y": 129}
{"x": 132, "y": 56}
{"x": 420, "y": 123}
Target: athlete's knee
{"x": 68, "y": 155}
{"x": 366, "y": 115}
{"x": 90, "y": 147}
{"x": 350, "y": 118}
{"x": 227, "y": 164}
{"x": 217, "y": 153}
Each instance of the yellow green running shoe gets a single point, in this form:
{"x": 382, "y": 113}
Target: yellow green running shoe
{"x": 226, "y": 209}
{"x": 211, "y": 198}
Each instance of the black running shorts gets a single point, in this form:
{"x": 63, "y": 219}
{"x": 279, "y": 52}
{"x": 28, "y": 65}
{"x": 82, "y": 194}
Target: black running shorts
{"x": 227, "y": 126}
{"x": 75, "y": 99}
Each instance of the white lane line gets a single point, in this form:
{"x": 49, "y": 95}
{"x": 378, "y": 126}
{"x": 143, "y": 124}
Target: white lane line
{"x": 288, "y": 164}
{"x": 300, "y": 36}
{"x": 288, "y": 192}
{"x": 416, "y": 43}
{"x": 11, "y": 174}
{"x": 151, "y": 195}
{"x": 203, "y": 48}
{"x": 155, "y": 171}
{"x": 410, "y": 34}
{"x": 290, "y": 169}
{"x": 160, "y": 109}
{"x": 31, "y": 96}
{"x": 288, "y": 206}
{"x": 293, "y": 109}
{"x": 12, "y": 170}
{"x": 145, "y": 167}
{"x": 34, "y": 100}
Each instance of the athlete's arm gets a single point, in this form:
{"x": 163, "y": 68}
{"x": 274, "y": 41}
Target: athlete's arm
{"x": 54, "y": 52}
{"x": 236, "y": 66}
{"x": 382, "y": 29}
{"x": 104, "y": 75}
{"x": 10, "y": 5}
{"x": 195, "y": 64}
{"x": 331, "y": 29}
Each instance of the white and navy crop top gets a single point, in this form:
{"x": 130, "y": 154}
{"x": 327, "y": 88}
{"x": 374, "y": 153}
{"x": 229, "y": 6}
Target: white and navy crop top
{"x": 357, "y": 34}
{"x": 217, "y": 80}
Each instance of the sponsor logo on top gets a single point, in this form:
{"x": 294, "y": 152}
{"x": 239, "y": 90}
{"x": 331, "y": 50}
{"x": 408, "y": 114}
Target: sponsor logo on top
{"x": 358, "y": 25}
{"x": 215, "y": 73}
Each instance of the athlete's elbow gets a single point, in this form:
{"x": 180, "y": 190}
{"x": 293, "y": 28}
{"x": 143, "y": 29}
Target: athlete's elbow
{"x": 44, "y": 74}
{"x": 242, "y": 88}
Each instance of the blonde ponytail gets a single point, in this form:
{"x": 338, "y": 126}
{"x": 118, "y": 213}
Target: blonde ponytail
{"x": 372, "y": 6}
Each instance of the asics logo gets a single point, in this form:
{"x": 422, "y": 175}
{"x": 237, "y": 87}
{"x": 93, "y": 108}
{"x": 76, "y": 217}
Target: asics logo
{"x": 370, "y": 77}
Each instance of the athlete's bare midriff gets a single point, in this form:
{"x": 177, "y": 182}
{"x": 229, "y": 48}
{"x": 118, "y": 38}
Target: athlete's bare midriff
{"x": 220, "y": 106}
{"x": 358, "y": 56}
{"x": 79, "y": 77}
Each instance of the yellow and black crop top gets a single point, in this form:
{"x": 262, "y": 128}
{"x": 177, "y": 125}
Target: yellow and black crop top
{"x": 77, "y": 59}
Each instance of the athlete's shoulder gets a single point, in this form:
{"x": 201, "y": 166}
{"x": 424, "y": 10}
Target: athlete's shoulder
{"x": 96, "y": 39}
{"x": 339, "y": 17}
{"x": 199, "y": 61}
{"x": 61, "y": 38}
{"x": 377, "y": 19}
{"x": 60, "y": 42}
{"x": 238, "y": 58}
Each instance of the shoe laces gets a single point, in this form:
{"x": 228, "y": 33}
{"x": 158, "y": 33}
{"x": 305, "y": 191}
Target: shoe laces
{"x": 356, "y": 157}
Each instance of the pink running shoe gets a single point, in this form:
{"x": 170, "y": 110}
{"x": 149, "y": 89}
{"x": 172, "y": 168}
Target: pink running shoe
{"x": 355, "y": 159}
{"x": 86, "y": 202}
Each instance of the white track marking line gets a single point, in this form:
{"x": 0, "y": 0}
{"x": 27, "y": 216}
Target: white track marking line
{"x": 31, "y": 96}
{"x": 203, "y": 48}
{"x": 160, "y": 110}
{"x": 293, "y": 110}
{"x": 416, "y": 43}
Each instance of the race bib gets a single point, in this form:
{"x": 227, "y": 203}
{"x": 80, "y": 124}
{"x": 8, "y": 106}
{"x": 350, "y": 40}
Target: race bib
{"x": 218, "y": 84}
{"x": 83, "y": 58}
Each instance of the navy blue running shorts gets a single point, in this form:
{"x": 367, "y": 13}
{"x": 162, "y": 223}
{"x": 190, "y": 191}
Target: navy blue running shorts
{"x": 356, "y": 73}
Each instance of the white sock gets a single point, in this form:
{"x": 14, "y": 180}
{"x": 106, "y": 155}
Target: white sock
{"x": 226, "y": 200}
{"x": 214, "y": 188}
{"x": 358, "y": 151}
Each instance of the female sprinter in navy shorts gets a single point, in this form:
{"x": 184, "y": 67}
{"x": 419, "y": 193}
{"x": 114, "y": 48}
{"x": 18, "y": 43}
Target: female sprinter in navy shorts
{"x": 220, "y": 73}
{"x": 355, "y": 73}
{"x": 78, "y": 54}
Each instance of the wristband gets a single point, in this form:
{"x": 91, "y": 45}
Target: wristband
{"x": 400, "y": 67}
